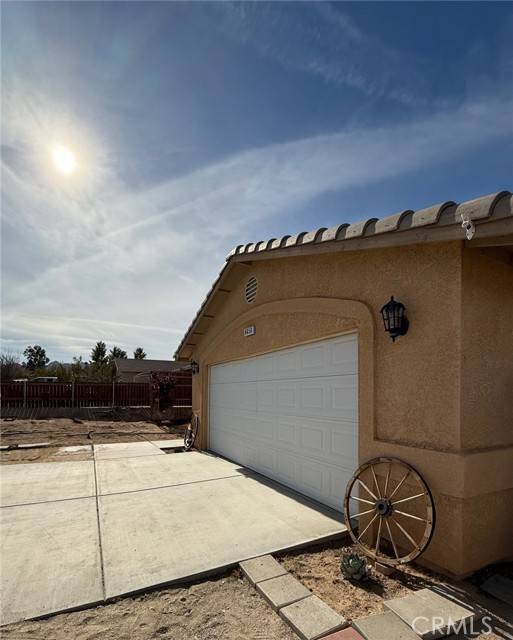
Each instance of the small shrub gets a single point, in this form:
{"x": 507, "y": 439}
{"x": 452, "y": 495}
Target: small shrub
{"x": 354, "y": 567}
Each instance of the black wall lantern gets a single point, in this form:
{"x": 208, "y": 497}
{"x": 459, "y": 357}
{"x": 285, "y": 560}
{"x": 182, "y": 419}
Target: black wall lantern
{"x": 194, "y": 367}
{"x": 394, "y": 318}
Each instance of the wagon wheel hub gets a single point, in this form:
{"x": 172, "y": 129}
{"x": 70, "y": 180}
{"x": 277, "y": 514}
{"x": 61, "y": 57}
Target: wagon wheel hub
{"x": 384, "y": 507}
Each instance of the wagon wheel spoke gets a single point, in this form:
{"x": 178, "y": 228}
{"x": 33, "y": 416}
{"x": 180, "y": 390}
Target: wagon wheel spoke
{"x": 366, "y": 528}
{"x": 367, "y": 488}
{"x": 376, "y": 481}
{"x": 403, "y": 530}
{"x": 409, "y": 515}
{"x": 378, "y": 537}
{"x": 387, "y": 479}
{"x": 363, "y": 513}
{"x": 392, "y": 539}
{"x": 360, "y": 500}
{"x": 399, "y": 485}
{"x": 419, "y": 495}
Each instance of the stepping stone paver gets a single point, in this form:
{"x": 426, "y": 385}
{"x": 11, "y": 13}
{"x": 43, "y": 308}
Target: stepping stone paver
{"x": 429, "y": 614}
{"x": 499, "y": 587}
{"x": 262, "y": 568}
{"x": 282, "y": 591}
{"x": 384, "y": 626}
{"x": 311, "y": 618}
{"x": 344, "y": 634}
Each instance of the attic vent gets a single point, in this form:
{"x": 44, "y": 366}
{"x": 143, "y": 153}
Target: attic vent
{"x": 251, "y": 289}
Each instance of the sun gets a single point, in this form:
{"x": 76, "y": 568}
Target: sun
{"x": 64, "y": 159}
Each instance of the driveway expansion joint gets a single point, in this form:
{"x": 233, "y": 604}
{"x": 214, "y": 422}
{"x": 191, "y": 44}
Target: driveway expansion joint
{"x": 98, "y": 521}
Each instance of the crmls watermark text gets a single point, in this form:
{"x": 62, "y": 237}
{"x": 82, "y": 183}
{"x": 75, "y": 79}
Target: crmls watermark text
{"x": 468, "y": 626}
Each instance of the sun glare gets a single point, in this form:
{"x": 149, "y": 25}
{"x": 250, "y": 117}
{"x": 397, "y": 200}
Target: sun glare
{"x": 64, "y": 159}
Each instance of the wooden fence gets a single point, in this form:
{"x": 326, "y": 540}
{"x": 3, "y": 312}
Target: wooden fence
{"x": 75, "y": 394}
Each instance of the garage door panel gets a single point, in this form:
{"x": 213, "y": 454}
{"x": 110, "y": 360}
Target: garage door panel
{"x": 330, "y": 397}
{"x": 267, "y": 460}
{"x": 312, "y": 438}
{"x": 291, "y": 415}
{"x": 286, "y": 467}
{"x": 286, "y": 432}
{"x": 339, "y": 357}
{"x": 344, "y": 443}
{"x": 266, "y": 395}
{"x": 324, "y": 439}
{"x": 286, "y": 397}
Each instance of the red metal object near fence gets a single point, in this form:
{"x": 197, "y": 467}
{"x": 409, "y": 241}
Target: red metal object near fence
{"x": 172, "y": 394}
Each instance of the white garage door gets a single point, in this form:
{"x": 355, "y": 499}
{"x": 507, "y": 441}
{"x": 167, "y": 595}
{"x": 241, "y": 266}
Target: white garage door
{"x": 291, "y": 415}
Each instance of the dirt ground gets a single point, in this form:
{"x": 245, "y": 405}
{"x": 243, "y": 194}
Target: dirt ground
{"x": 64, "y": 432}
{"x": 318, "y": 568}
{"x": 226, "y": 607}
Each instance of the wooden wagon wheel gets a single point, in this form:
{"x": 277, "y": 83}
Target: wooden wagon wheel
{"x": 397, "y": 512}
{"x": 191, "y": 432}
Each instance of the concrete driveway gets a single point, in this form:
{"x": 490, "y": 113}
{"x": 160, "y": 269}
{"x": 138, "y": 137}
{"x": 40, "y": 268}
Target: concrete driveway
{"x": 78, "y": 533}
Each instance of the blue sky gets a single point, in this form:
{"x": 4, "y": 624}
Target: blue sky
{"x": 199, "y": 126}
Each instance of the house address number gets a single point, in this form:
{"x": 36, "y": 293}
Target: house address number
{"x": 249, "y": 331}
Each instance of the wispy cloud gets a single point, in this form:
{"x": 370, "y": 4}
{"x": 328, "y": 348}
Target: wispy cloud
{"x": 320, "y": 39}
{"x": 131, "y": 265}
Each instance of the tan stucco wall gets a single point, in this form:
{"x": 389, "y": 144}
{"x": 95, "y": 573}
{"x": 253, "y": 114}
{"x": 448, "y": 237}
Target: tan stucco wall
{"x": 409, "y": 393}
{"x": 487, "y": 349}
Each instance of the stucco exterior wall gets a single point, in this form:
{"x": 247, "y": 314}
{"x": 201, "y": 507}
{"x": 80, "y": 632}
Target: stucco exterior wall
{"x": 409, "y": 391}
{"x": 487, "y": 402}
{"x": 487, "y": 349}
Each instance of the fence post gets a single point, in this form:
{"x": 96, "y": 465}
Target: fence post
{"x": 24, "y": 394}
{"x": 113, "y": 392}
{"x": 72, "y": 393}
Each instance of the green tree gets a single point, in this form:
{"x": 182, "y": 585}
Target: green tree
{"x": 116, "y": 352}
{"x": 139, "y": 353}
{"x": 99, "y": 353}
{"x": 78, "y": 369}
{"x": 36, "y": 358}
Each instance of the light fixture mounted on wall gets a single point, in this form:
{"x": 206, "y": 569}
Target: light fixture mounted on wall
{"x": 194, "y": 367}
{"x": 394, "y": 318}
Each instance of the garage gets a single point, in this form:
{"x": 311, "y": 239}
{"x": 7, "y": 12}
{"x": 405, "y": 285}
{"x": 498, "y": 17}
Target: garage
{"x": 317, "y": 352}
{"x": 291, "y": 415}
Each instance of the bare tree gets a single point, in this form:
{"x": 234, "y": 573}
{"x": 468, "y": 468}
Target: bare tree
{"x": 10, "y": 366}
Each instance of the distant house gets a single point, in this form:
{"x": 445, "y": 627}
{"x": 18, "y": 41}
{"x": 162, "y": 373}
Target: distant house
{"x": 134, "y": 370}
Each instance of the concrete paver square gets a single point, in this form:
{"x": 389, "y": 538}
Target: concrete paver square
{"x": 282, "y": 591}
{"x": 216, "y": 524}
{"x": 126, "y": 450}
{"x": 262, "y": 568}
{"x": 45, "y": 481}
{"x": 50, "y": 557}
{"x": 150, "y": 472}
{"x": 311, "y": 618}
{"x": 384, "y": 626}
{"x": 429, "y": 614}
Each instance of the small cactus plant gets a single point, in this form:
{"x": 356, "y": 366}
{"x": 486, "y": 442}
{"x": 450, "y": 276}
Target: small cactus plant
{"x": 354, "y": 567}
